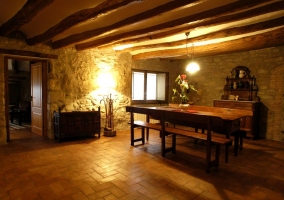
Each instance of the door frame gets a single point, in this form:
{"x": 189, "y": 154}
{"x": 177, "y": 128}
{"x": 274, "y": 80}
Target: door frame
{"x": 44, "y": 90}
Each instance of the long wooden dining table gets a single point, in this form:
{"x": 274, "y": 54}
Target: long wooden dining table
{"x": 230, "y": 123}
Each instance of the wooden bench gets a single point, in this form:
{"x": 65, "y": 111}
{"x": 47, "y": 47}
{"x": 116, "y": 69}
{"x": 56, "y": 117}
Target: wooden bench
{"x": 202, "y": 120}
{"x": 144, "y": 125}
{"x": 76, "y": 124}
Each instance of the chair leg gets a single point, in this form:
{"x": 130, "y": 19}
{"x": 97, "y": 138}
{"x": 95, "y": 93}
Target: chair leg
{"x": 217, "y": 156}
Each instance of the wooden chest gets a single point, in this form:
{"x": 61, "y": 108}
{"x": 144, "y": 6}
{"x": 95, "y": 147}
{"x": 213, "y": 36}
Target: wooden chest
{"x": 76, "y": 124}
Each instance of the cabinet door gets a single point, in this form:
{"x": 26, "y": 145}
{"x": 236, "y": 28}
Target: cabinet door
{"x": 243, "y": 105}
{"x": 222, "y": 104}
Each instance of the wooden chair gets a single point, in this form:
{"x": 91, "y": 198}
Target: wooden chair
{"x": 24, "y": 111}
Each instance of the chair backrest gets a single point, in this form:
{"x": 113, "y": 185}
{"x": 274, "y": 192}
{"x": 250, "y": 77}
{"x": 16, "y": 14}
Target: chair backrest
{"x": 24, "y": 105}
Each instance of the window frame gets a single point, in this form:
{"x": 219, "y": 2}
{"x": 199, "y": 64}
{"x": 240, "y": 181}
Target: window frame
{"x": 145, "y": 101}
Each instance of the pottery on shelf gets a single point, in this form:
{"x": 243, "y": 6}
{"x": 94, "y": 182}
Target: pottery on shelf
{"x": 235, "y": 86}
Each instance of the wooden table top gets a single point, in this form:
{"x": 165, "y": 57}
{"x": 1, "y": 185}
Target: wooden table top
{"x": 225, "y": 114}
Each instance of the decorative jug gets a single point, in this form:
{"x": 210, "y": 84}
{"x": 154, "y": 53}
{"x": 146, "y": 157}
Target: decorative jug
{"x": 242, "y": 73}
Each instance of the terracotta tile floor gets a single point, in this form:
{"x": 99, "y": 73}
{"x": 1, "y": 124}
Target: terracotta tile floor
{"x": 109, "y": 168}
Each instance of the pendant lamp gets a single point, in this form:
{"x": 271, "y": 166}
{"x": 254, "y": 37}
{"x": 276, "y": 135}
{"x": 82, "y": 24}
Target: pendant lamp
{"x": 192, "y": 66}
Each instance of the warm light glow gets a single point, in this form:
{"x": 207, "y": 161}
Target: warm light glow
{"x": 104, "y": 66}
{"x": 192, "y": 67}
{"x": 122, "y": 47}
{"x": 106, "y": 80}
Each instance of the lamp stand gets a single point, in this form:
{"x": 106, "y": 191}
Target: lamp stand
{"x": 109, "y": 123}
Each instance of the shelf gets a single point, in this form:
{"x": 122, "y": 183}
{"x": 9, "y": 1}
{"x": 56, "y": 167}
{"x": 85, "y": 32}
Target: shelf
{"x": 240, "y": 78}
{"x": 245, "y": 85}
{"x": 241, "y": 89}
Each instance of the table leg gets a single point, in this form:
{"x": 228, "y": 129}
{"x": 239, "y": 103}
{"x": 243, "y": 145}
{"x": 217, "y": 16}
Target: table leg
{"x": 132, "y": 129}
{"x": 20, "y": 117}
{"x": 228, "y": 126}
{"x": 236, "y": 142}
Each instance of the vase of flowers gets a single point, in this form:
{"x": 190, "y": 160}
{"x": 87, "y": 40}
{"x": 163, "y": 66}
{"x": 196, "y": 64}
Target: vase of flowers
{"x": 182, "y": 89}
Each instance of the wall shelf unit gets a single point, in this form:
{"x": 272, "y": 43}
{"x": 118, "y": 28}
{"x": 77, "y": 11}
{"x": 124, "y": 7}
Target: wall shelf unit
{"x": 240, "y": 85}
{"x": 240, "y": 92}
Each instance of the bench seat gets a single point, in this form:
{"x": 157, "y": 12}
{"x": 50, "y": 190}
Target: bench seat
{"x": 215, "y": 140}
{"x": 149, "y": 125}
{"x": 200, "y": 136}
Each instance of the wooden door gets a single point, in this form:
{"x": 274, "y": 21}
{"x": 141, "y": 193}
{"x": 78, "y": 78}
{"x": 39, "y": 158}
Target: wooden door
{"x": 36, "y": 103}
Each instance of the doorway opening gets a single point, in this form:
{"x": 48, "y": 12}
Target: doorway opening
{"x": 26, "y": 89}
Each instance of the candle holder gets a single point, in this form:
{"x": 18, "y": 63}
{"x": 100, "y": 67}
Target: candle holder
{"x": 109, "y": 122}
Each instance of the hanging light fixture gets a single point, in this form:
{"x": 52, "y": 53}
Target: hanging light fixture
{"x": 192, "y": 66}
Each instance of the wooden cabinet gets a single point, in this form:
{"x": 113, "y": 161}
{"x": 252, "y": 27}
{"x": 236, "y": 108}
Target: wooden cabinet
{"x": 249, "y": 122}
{"x": 240, "y": 85}
{"x": 240, "y": 92}
{"x": 76, "y": 124}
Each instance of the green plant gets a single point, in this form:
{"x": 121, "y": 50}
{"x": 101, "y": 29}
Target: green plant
{"x": 182, "y": 88}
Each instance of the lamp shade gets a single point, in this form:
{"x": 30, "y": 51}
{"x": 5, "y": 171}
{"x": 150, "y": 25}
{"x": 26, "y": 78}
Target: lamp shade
{"x": 192, "y": 67}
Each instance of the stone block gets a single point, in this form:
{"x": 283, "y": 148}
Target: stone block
{"x": 54, "y": 84}
{"x": 56, "y": 97}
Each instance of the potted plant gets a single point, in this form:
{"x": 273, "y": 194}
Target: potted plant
{"x": 182, "y": 89}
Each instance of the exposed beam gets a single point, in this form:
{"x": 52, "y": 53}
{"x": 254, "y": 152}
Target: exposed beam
{"x": 24, "y": 16}
{"x": 215, "y": 35}
{"x": 27, "y": 53}
{"x": 178, "y": 25}
{"x": 264, "y": 40}
{"x": 72, "y": 39}
{"x": 202, "y": 24}
{"x": 78, "y": 17}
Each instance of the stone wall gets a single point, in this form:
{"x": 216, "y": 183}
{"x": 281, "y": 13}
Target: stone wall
{"x": 267, "y": 66}
{"x": 72, "y": 81}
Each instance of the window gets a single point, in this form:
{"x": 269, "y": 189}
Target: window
{"x": 149, "y": 87}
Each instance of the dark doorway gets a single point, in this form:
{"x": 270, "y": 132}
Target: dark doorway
{"x": 18, "y": 101}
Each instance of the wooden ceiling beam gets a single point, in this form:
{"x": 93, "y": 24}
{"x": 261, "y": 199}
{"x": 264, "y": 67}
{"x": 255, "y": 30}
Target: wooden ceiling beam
{"x": 261, "y": 41}
{"x": 27, "y": 53}
{"x": 180, "y": 25}
{"x": 78, "y": 17}
{"x": 203, "y": 24}
{"x": 215, "y": 35}
{"x": 24, "y": 16}
{"x": 73, "y": 39}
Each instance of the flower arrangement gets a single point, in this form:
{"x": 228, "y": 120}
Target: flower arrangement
{"x": 182, "y": 88}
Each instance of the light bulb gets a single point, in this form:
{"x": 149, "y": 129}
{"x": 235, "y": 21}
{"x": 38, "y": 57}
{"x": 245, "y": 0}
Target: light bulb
{"x": 192, "y": 67}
